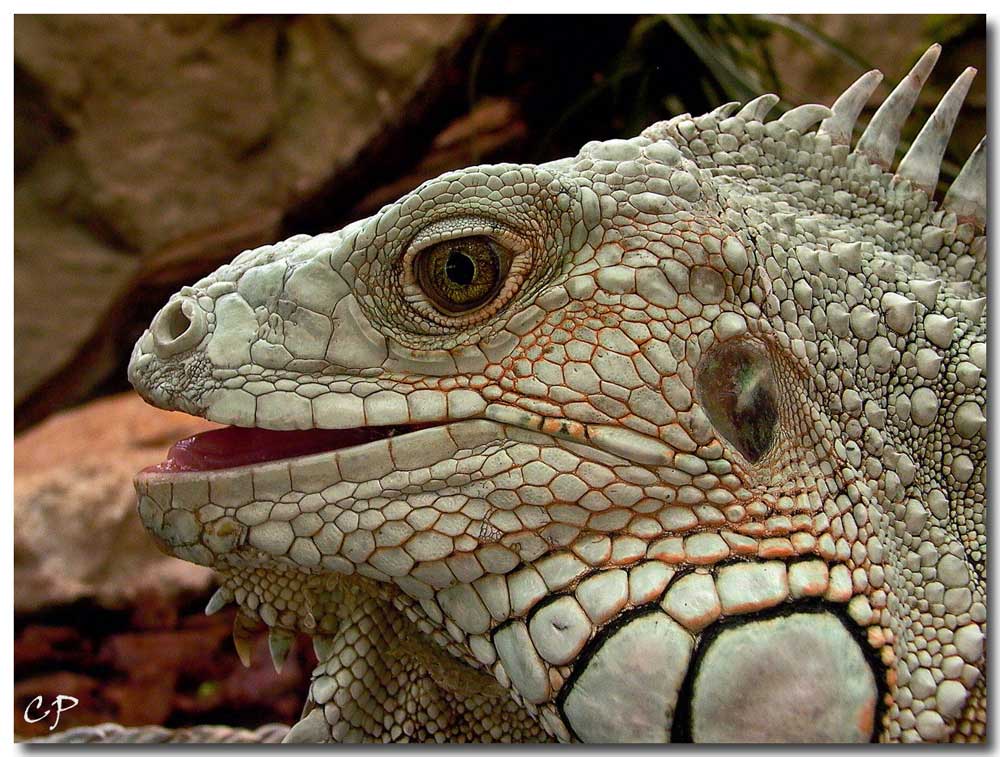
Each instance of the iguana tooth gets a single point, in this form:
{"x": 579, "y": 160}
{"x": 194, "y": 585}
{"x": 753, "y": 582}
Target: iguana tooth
{"x": 922, "y": 161}
{"x": 940, "y": 329}
{"x": 967, "y": 195}
{"x": 220, "y": 599}
{"x": 244, "y": 628}
{"x": 839, "y": 126}
{"x": 973, "y": 309}
{"x": 926, "y": 291}
{"x": 279, "y": 642}
{"x": 758, "y": 108}
{"x": 322, "y": 646}
{"x": 805, "y": 116}
{"x": 899, "y": 311}
{"x": 880, "y": 138}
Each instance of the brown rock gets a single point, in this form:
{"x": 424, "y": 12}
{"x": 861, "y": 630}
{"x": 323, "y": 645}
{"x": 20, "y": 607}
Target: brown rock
{"x": 150, "y": 664}
{"x": 76, "y": 532}
{"x": 185, "y": 675}
{"x": 493, "y": 125}
{"x": 49, "y": 646}
{"x": 164, "y": 135}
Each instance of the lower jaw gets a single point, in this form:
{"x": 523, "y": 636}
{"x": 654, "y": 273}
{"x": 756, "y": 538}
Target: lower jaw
{"x": 309, "y": 601}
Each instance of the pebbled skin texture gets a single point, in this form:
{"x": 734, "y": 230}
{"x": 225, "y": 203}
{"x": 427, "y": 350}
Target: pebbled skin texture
{"x": 579, "y": 550}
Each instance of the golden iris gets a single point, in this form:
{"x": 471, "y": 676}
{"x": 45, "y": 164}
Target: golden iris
{"x": 461, "y": 274}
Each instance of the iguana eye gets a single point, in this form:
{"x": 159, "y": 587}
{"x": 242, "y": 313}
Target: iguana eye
{"x": 461, "y": 274}
{"x": 736, "y": 388}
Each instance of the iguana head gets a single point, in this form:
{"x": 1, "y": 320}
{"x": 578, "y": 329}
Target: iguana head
{"x": 678, "y": 438}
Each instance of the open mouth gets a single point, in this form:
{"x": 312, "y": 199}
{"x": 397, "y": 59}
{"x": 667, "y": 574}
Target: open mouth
{"x": 234, "y": 446}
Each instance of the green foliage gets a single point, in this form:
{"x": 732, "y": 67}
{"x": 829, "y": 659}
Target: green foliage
{"x": 727, "y": 57}
{"x": 207, "y": 690}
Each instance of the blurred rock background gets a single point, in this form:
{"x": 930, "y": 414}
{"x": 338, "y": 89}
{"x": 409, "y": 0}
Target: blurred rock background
{"x": 151, "y": 149}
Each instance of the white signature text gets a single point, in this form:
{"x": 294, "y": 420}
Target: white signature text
{"x": 37, "y": 710}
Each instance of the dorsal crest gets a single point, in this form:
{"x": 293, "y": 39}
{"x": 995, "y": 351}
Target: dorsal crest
{"x": 801, "y": 172}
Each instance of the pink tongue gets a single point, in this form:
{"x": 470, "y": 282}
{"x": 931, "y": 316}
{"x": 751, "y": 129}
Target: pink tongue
{"x": 232, "y": 446}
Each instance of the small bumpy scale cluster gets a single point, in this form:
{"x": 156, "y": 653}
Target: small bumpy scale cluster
{"x": 718, "y": 427}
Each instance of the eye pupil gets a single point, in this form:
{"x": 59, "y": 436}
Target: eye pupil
{"x": 736, "y": 388}
{"x": 460, "y": 268}
{"x": 461, "y": 274}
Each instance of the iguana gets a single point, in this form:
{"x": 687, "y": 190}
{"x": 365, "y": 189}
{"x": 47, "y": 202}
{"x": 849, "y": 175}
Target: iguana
{"x": 680, "y": 438}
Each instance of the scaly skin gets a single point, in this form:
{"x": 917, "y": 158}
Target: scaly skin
{"x": 710, "y": 462}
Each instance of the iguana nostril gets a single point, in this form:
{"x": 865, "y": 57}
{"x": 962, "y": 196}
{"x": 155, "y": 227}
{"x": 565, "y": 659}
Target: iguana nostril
{"x": 178, "y": 327}
{"x": 175, "y": 322}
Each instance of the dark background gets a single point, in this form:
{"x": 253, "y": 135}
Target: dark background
{"x": 151, "y": 149}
